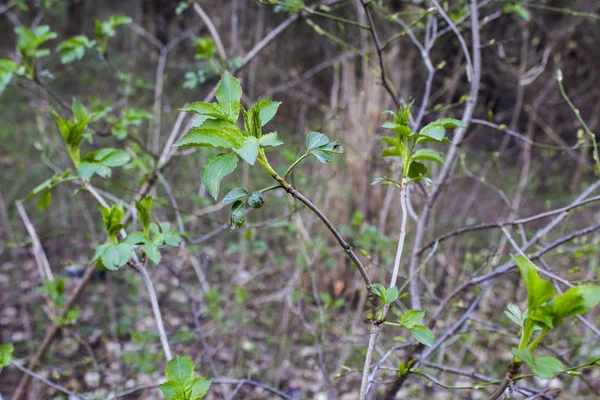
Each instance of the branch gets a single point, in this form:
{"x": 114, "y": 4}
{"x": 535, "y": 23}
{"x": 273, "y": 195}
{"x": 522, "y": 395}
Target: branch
{"x": 213, "y": 31}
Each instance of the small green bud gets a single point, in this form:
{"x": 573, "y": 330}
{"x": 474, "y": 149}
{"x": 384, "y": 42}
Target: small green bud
{"x": 256, "y": 200}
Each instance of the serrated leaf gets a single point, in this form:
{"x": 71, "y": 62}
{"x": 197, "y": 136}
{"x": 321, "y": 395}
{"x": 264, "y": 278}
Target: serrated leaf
{"x": 391, "y": 141}
{"x": 450, "y": 123}
{"x": 143, "y": 209}
{"x": 322, "y": 156}
{"x": 152, "y": 252}
{"x": 200, "y": 387}
{"x": 423, "y": 335}
{"x": 172, "y": 390}
{"x": 515, "y": 315}
{"x": 234, "y": 195}
{"x": 215, "y": 169}
{"x": 435, "y": 132}
{"x": 539, "y": 291}
{"x": 136, "y": 238}
{"x": 575, "y": 301}
{"x": 180, "y": 369}
{"x": 249, "y": 150}
{"x": 391, "y": 295}
{"x": 267, "y": 110}
{"x": 412, "y": 317}
{"x": 209, "y": 110}
{"x": 428, "y": 154}
{"x": 270, "y": 140}
{"x": 546, "y": 367}
{"x": 378, "y": 290}
{"x": 229, "y": 94}
{"x": 214, "y": 133}
{"x": 315, "y": 140}
{"x": 116, "y": 255}
{"x": 237, "y": 215}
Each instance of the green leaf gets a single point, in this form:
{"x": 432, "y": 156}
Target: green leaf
{"x": 575, "y": 301}
{"x": 200, "y": 387}
{"x": 6, "y": 352}
{"x": 416, "y": 171}
{"x": 100, "y": 162}
{"x": 74, "y": 48}
{"x": 267, "y": 110}
{"x": 206, "y": 109}
{"x": 136, "y": 238}
{"x": 391, "y": 141}
{"x": 229, "y": 94}
{"x": 546, "y": 367}
{"x": 412, "y": 317}
{"x": 378, "y": 290}
{"x": 515, "y": 315}
{"x": 172, "y": 390}
{"x": 234, "y": 195}
{"x": 215, "y": 169}
{"x": 518, "y": 10}
{"x": 237, "y": 215}
{"x": 112, "y": 220}
{"x": 322, "y": 156}
{"x": 423, "y": 335}
{"x": 214, "y": 133}
{"x": 391, "y": 295}
{"x": 539, "y": 291}
{"x": 152, "y": 252}
{"x": 116, "y": 255}
{"x": 143, "y": 208}
{"x": 7, "y": 69}
{"x": 48, "y": 184}
{"x": 435, "y": 132}
{"x": 205, "y": 46}
{"x": 180, "y": 369}
{"x": 249, "y": 150}
{"x": 45, "y": 201}
{"x": 450, "y": 123}
{"x": 430, "y": 155}
{"x": 270, "y": 140}
{"x": 391, "y": 152}
{"x": 315, "y": 140}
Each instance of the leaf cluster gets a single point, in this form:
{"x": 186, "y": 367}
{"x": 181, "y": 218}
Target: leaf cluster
{"x": 182, "y": 383}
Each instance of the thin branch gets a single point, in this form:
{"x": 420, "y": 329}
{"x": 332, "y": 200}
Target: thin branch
{"x": 213, "y": 31}
{"x": 46, "y": 381}
{"x": 38, "y": 252}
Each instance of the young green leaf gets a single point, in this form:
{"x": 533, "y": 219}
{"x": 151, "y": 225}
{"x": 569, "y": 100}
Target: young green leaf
{"x": 206, "y": 109}
{"x": 6, "y": 352}
{"x": 270, "y": 140}
{"x": 143, "y": 208}
{"x": 267, "y": 110}
{"x": 430, "y": 155}
{"x": 181, "y": 383}
{"x": 315, "y": 140}
{"x": 234, "y": 195}
{"x": 229, "y": 94}
{"x": 391, "y": 295}
{"x": 515, "y": 315}
{"x": 237, "y": 215}
{"x": 214, "y": 133}
{"x": 7, "y": 69}
{"x": 539, "y": 291}
{"x": 412, "y": 318}
{"x": 423, "y": 335}
{"x": 449, "y": 123}
{"x": 575, "y": 301}
{"x": 546, "y": 367}
{"x": 115, "y": 255}
{"x": 215, "y": 169}
{"x": 432, "y": 131}
{"x": 249, "y": 150}
{"x": 74, "y": 48}
{"x": 416, "y": 171}
{"x": 379, "y": 290}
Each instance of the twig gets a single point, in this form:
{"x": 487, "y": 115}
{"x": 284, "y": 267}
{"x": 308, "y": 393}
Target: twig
{"x": 38, "y": 252}
{"x": 213, "y": 31}
{"x": 46, "y": 381}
